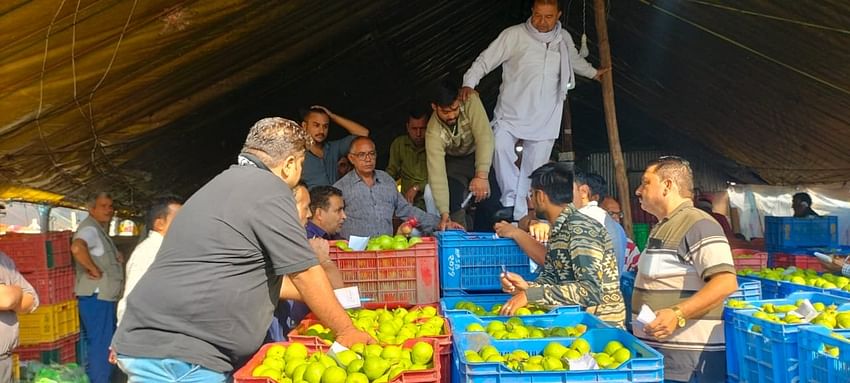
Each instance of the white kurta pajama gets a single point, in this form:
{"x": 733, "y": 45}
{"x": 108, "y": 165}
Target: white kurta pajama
{"x": 530, "y": 104}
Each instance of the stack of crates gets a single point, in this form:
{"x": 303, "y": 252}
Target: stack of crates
{"x": 470, "y": 263}
{"x": 789, "y": 241}
{"x": 51, "y": 332}
{"x": 768, "y": 351}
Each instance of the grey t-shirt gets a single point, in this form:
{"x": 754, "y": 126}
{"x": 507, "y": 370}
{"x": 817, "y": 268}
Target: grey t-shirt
{"x": 209, "y": 295}
{"x": 10, "y": 276}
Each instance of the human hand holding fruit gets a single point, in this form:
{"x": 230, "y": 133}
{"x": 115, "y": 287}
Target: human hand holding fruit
{"x": 517, "y": 302}
{"x": 352, "y": 336}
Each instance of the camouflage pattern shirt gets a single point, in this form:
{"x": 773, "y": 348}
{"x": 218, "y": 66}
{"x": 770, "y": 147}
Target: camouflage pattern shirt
{"x": 580, "y": 269}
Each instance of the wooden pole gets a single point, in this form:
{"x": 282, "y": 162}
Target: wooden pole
{"x": 566, "y": 153}
{"x": 611, "y": 115}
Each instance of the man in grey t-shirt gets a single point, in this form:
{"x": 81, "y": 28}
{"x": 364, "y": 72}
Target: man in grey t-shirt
{"x": 235, "y": 249}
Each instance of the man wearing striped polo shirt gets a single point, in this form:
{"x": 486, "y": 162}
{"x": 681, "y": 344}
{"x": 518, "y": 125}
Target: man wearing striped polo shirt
{"x": 684, "y": 275}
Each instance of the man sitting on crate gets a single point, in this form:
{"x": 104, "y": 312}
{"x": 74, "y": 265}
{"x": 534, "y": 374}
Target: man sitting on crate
{"x": 684, "y": 274}
{"x": 579, "y": 267}
{"x": 16, "y": 296}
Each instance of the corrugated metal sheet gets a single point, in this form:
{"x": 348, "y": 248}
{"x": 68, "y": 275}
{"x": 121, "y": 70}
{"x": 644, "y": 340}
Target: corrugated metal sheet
{"x": 708, "y": 176}
{"x": 140, "y": 97}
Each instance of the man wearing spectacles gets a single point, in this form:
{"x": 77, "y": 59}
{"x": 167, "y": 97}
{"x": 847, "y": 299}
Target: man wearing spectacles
{"x": 371, "y": 196}
{"x": 588, "y": 188}
{"x": 611, "y": 206}
{"x": 684, "y": 274}
{"x": 321, "y": 160}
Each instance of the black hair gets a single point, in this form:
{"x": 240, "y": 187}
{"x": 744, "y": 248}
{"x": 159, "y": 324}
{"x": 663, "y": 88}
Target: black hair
{"x": 803, "y": 197}
{"x": 595, "y": 182}
{"x": 419, "y": 110}
{"x": 556, "y": 180}
{"x": 160, "y": 207}
{"x": 445, "y": 92}
{"x": 320, "y": 197}
{"x": 306, "y": 112}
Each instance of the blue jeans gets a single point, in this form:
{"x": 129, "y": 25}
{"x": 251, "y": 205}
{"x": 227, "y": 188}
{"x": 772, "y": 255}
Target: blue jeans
{"x": 97, "y": 318}
{"x": 150, "y": 370}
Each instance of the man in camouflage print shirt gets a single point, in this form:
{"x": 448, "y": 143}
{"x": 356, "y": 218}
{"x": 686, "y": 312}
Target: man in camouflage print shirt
{"x": 579, "y": 267}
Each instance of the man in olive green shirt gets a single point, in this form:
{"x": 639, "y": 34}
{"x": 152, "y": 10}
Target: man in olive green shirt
{"x": 459, "y": 148}
{"x": 407, "y": 158}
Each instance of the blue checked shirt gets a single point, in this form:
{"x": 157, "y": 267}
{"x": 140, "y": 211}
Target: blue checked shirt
{"x": 370, "y": 210}
{"x": 846, "y": 269}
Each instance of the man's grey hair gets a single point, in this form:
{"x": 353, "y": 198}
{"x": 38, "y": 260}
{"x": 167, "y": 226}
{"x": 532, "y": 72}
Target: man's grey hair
{"x": 93, "y": 197}
{"x": 274, "y": 139}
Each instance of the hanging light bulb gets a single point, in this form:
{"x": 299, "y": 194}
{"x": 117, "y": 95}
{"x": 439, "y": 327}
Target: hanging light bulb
{"x": 583, "y": 52}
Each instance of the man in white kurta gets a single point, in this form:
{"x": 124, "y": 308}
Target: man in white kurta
{"x": 535, "y": 81}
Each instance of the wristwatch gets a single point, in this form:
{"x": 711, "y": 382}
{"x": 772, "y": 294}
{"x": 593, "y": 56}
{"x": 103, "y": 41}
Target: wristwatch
{"x": 680, "y": 317}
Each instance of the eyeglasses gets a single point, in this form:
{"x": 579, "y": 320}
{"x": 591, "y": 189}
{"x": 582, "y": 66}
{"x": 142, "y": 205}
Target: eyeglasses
{"x": 363, "y": 155}
{"x": 615, "y": 214}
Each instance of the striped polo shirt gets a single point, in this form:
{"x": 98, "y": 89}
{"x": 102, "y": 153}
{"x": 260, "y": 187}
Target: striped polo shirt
{"x": 683, "y": 252}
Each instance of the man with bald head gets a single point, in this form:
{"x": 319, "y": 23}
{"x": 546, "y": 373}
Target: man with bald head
{"x": 372, "y": 198}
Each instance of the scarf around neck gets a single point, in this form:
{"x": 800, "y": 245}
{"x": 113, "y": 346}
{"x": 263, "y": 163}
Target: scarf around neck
{"x": 567, "y": 79}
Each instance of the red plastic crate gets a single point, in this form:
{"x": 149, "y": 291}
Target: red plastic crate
{"x": 410, "y": 275}
{"x": 798, "y": 261}
{"x": 444, "y": 340}
{"x": 61, "y": 351}
{"x": 54, "y": 285}
{"x": 38, "y": 252}
{"x": 749, "y": 259}
{"x": 243, "y": 375}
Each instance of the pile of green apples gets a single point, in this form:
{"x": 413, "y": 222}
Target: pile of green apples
{"x": 828, "y": 316}
{"x": 555, "y": 356}
{"x": 384, "y": 242}
{"x": 515, "y": 328}
{"x": 389, "y": 326}
{"x": 361, "y": 364}
{"x": 806, "y": 277}
{"x": 494, "y": 311}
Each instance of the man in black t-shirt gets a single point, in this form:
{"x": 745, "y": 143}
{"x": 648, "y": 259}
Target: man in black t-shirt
{"x": 233, "y": 251}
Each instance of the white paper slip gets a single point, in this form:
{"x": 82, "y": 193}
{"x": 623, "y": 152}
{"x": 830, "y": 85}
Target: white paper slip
{"x": 358, "y": 243}
{"x": 532, "y": 266}
{"x": 348, "y": 297}
{"x": 789, "y": 270}
{"x": 805, "y": 311}
{"x": 337, "y": 348}
{"x": 646, "y": 315}
{"x": 823, "y": 257}
{"x": 586, "y": 362}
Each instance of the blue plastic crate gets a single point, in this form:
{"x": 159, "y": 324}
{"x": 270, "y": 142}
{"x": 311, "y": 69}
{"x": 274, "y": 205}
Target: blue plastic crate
{"x": 771, "y": 355}
{"x": 460, "y": 322}
{"x": 748, "y": 290}
{"x": 816, "y": 366}
{"x": 646, "y": 364}
{"x": 733, "y": 355}
{"x": 627, "y": 287}
{"x": 472, "y": 262}
{"x": 487, "y": 301}
{"x": 781, "y": 233}
{"x": 787, "y": 288}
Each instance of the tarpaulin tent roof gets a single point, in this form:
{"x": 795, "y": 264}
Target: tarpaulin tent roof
{"x": 139, "y": 97}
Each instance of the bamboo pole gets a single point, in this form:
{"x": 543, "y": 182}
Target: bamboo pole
{"x": 611, "y": 115}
